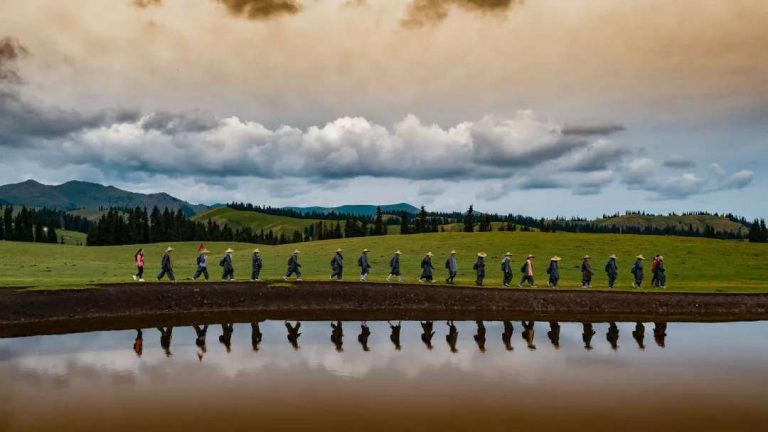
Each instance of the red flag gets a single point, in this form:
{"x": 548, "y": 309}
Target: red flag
{"x": 201, "y": 247}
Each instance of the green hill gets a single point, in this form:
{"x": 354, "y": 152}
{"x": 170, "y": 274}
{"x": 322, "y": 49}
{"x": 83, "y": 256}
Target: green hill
{"x": 256, "y": 221}
{"x": 358, "y": 210}
{"x": 719, "y": 223}
{"x": 693, "y": 264}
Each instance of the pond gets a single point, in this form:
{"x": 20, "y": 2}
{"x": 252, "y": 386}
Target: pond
{"x": 321, "y": 375}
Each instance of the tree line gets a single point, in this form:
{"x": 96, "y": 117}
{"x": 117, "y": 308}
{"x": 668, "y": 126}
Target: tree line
{"x": 38, "y": 225}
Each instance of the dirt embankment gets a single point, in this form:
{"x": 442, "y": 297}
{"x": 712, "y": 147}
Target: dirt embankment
{"x": 134, "y": 305}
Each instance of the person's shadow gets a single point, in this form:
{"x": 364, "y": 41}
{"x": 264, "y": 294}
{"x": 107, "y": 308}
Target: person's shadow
{"x": 337, "y": 336}
{"x": 226, "y": 336}
{"x": 639, "y": 334}
{"x": 554, "y": 334}
{"x": 165, "y": 340}
{"x": 293, "y": 334}
{"x": 200, "y": 334}
{"x": 394, "y": 335}
{"x": 660, "y": 333}
{"x": 613, "y": 335}
{"x": 480, "y": 336}
{"x": 506, "y": 336}
{"x": 365, "y": 332}
{"x": 452, "y": 337}
{"x": 529, "y": 334}
{"x": 426, "y": 333}
{"x": 586, "y": 335}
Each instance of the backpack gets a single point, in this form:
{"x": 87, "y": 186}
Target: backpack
{"x": 199, "y": 259}
{"x": 522, "y": 269}
{"x": 221, "y": 263}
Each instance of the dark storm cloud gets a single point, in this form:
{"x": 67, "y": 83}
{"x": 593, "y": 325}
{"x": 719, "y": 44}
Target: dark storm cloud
{"x": 261, "y": 9}
{"x": 172, "y": 123}
{"x": 592, "y": 130}
{"x": 423, "y": 12}
{"x": 10, "y": 53}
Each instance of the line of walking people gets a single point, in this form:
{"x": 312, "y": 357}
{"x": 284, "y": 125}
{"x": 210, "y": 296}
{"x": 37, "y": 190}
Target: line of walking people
{"x": 527, "y": 269}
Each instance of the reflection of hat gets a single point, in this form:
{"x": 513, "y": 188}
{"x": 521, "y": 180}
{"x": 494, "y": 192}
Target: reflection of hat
{"x": 612, "y": 256}
{"x": 587, "y": 257}
{"x": 430, "y": 254}
{"x": 229, "y": 251}
{"x": 169, "y": 249}
{"x": 398, "y": 253}
{"x": 555, "y": 258}
{"x": 640, "y": 257}
{"x": 530, "y": 256}
{"x": 508, "y": 254}
{"x": 256, "y": 251}
{"x": 366, "y": 250}
{"x": 482, "y": 254}
{"x": 453, "y": 252}
{"x": 295, "y": 251}
{"x": 338, "y": 250}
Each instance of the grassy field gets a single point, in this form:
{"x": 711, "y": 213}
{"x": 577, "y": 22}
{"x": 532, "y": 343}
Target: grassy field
{"x": 257, "y": 221}
{"x": 693, "y": 264}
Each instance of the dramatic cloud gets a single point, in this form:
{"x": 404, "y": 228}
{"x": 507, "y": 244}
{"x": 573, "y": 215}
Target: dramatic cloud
{"x": 10, "y": 52}
{"x": 590, "y": 130}
{"x": 678, "y": 162}
{"x": 261, "y": 9}
{"x": 423, "y": 12}
{"x": 597, "y": 155}
{"x": 643, "y": 174}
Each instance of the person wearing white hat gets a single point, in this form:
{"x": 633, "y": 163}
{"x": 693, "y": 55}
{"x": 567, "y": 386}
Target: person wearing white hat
{"x": 479, "y": 268}
{"x": 553, "y": 271}
{"x": 452, "y": 266}
{"x": 228, "y": 271}
{"x": 293, "y": 266}
{"x": 611, "y": 270}
{"x": 394, "y": 267}
{"x": 166, "y": 266}
{"x": 202, "y": 265}
{"x": 506, "y": 269}
{"x": 586, "y": 272}
{"x": 426, "y": 268}
{"x": 364, "y": 265}
{"x": 256, "y": 265}
{"x": 337, "y": 265}
{"x": 637, "y": 272}
{"x": 527, "y": 270}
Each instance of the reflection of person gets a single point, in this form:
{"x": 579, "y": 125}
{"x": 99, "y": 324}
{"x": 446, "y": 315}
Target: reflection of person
{"x": 554, "y": 271}
{"x": 452, "y": 266}
{"x": 639, "y": 335}
{"x": 528, "y": 272}
{"x": 165, "y": 339}
{"x": 337, "y": 336}
{"x": 480, "y": 336}
{"x": 426, "y": 268}
{"x": 138, "y": 343}
{"x": 200, "y": 340}
{"x": 293, "y": 334}
{"x": 337, "y": 265}
{"x": 395, "y": 334}
{"x": 554, "y": 334}
{"x": 506, "y": 269}
{"x": 255, "y": 336}
{"x": 202, "y": 265}
{"x": 394, "y": 267}
{"x": 586, "y": 335}
{"x": 426, "y": 333}
{"x": 660, "y": 333}
{"x": 226, "y": 335}
{"x": 293, "y": 266}
{"x": 166, "y": 266}
{"x": 613, "y": 335}
{"x": 637, "y": 272}
{"x": 139, "y": 259}
{"x": 364, "y": 264}
{"x": 365, "y": 332}
{"x": 479, "y": 268}
{"x": 611, "y": 270}
{"x": 452, "y": 336}
{"x": 506, "y": 337}
{"x": 529, "y": 333}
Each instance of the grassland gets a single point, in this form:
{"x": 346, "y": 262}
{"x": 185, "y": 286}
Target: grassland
{"x": 256, "y": 221}
{"x": 693, "y": 264}
{"x": 719, "y": 223}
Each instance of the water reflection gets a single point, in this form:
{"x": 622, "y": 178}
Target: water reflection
{"x": 337, "y": 336}
{"x": 639, "y": 335}
{"x": 200, "y": 333}
{"x": 256, "y": 336}
{"x": 226, "y": 336}
{"x": 394, "y": 334}
{"x": 452, "y": 337}
{"x": 426, "y": 333}
{"x": 138, "y": 343}
{"x": 365, "y": 332}
{"x": 554, "y": 334}
{"x": 165, "y": 339}
{"x": 480, "y": 336}
{"x": 612, "y": 336}
{"x": 293, "y": 334}
{"x": 586, "y": 335}
{"x": 529, "y": 334}
{"x": 506, "y": 336}
{"x": 660, "y": 333}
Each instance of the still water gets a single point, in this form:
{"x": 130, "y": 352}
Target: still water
{"x": 377, "y": 376}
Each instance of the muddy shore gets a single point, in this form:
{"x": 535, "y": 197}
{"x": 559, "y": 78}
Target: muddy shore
{"x": 123, "y": 306}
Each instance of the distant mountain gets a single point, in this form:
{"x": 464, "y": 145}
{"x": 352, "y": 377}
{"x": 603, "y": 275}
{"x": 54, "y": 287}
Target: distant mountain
{"x": 83, "y": 195}
{"x": 358, "y": 210}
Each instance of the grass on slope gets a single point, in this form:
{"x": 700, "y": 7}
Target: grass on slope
{"x": 693, "y": 264}
{"x": 257, "y": 221}
{"x": 719, "y": 223}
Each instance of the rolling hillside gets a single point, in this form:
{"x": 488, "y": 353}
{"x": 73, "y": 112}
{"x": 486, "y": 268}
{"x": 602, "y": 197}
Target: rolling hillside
{"x": 256, "y": 221}
{"x": 719, "y": 223}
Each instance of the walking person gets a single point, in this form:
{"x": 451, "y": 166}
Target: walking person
{"x": 228, "y": 271}
{"x": 139, "y": 260}
{"x": 452, "y": 266}
{"x": 586, "y": 272}
{"x": 661, "y": 276}
{"x": 394, "y": 267}
{"x": 479, "y": 268}
{"x": 166, "y": 266}
{"x": 554, "y": 271}
{"x": 527, "y": 270}
{"x": 337, "y": 265}
{"x": 637, "y": 272}
{"x": 612, "y": 270}
{"x": 202, "y": 265}
{"x": 506, "y": 269}
{"x": 364, "y": 265}
{"x": 426, "y": 268}
{"x": 293, "y": 266}
{"x": 654, "y": 264}
{"x": 256, "y": 265}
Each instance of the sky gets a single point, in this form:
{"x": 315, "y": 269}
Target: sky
{"x": 537, "y": 107}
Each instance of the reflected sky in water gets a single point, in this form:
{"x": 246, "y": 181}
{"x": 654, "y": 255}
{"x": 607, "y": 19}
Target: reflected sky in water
{"x": 707, "y": 376}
